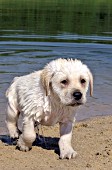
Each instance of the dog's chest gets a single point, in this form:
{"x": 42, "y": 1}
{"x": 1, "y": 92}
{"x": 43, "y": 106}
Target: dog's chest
{"x": 56, "y": 116}
{"x": 50, "y": 118}
{"x": 54, "y": 112}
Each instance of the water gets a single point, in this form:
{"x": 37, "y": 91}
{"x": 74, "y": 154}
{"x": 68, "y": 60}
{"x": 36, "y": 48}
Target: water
{"x": 32, "y": 34}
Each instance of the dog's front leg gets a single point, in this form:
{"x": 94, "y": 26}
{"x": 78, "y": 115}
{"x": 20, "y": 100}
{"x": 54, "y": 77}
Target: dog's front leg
{"x": 28, "y": 135}
{"x": 66, "y": 150}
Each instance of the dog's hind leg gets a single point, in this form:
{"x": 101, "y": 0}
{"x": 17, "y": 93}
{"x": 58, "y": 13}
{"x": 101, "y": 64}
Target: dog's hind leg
{"x": 11, "y": 120}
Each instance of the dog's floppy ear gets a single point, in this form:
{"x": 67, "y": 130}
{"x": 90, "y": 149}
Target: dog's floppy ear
{"x": 91, "y": 82}
{"x": 46, "y": 76}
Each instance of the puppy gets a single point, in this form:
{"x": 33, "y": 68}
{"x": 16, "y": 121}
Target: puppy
{"x": 48, "y": 96}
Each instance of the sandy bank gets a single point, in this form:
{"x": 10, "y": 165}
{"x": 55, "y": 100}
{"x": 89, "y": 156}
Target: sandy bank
{"x": 92, "y": 139}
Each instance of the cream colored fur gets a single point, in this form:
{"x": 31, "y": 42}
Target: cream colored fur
{"x": 43, "y": 97}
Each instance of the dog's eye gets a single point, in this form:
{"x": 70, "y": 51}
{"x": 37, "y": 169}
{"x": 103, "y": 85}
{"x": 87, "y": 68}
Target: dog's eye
{"x": 64, "y": 82}
{"x": 83, "y": 81}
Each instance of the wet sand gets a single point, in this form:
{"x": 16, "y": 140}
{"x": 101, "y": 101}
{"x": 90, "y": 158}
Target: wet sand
{"x": 92, "y": 139}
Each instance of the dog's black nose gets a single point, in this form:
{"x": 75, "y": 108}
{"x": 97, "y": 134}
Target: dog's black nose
{"x": 77, "y": 95}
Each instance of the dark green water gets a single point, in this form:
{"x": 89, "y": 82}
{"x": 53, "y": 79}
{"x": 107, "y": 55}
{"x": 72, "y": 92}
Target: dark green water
{"x": 33, "y": 33}
{"x": 59, "y": 17}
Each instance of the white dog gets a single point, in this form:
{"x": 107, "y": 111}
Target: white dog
{"x": 48, "y": 96}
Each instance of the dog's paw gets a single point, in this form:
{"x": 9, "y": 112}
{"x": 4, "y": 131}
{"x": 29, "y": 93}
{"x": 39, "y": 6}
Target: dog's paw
{"x": 67, "y": 153}
{"x": 14, "y": 133}
{"x": 22, "y": 146}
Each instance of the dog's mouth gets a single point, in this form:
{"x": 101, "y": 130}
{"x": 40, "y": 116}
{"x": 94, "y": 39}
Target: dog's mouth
{"x": 75, "y": 104}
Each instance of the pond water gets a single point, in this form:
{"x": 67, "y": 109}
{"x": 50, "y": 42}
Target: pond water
{"x": 34, "y": 33}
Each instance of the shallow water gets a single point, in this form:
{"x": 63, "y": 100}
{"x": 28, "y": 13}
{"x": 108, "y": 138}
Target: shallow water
{"x": 35, "y": 34}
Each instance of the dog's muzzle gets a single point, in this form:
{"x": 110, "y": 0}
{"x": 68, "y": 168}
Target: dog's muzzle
{"x": 76, "y": 99}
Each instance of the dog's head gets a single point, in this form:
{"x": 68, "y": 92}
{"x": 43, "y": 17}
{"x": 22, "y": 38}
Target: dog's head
{"x": 68, "y": 80}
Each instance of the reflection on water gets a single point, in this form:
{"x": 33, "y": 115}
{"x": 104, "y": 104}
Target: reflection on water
{"x": 45, "y": 17}
{"x": 33, "y": 34}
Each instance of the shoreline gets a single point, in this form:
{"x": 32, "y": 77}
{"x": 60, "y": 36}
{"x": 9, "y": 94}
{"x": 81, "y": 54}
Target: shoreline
{"x": 86, "y": 112}
{"x": 92, "y": 139}
{"x": 4, "y": 130}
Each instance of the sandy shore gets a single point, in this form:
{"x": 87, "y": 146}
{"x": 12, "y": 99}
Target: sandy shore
{"x": 92, "y": 139}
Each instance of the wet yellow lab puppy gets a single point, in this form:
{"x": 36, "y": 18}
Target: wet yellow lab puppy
{"x": 48, "y": 96}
